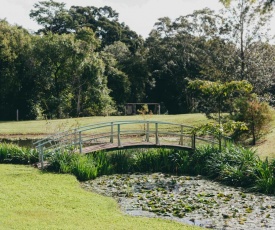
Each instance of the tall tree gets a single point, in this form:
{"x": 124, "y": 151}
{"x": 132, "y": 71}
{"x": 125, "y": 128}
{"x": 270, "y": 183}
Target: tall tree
{"x": 15, "y": 84}
{"x": 265, "y": 4}
{"x": 70, "y": 80}
{"x": 54, "y": 17}
{"x": 176, "y": 53}
{"x": 114, "y": 57}
{"x": 247, "y": 26}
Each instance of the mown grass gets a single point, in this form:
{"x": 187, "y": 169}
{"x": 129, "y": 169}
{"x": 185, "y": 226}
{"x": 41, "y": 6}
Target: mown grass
{"x": 40, "y": 127}
{"x": 30, "y": 199}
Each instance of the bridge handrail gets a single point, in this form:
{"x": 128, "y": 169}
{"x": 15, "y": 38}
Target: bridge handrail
{"x": 57, "y": 136}
{"x": 75, "y": 139}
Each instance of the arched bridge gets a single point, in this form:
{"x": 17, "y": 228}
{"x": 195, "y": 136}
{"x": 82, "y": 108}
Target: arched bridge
{"x": 121, "y": 135}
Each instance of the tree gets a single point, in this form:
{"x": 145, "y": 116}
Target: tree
{"x": 55, "y": 18}
{"x": 15, "y": 84}
{"x": 177, "y": 52}
{"x": 132, "y": 86}
{"x": 218, "y": 97}
{"x": 265, "y": 4}
{"x": 246, "y": 112}
{"x": 247, "y": 26}
{"x": 261, "y": 69}
{"x": 118, "y": 81}
{"x": 52, "y": 16}
{"x": 70, "y": 79}
{"x": 257, "y": 115}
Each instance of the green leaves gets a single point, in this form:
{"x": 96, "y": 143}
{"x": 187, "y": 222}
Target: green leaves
{"x": 220, "y": 89}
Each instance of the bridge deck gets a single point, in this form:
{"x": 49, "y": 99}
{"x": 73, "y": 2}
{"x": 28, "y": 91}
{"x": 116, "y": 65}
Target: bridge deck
{"x": 128, "y": 145}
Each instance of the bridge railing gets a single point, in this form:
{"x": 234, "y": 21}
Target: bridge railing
{"x": 120, "y": 133}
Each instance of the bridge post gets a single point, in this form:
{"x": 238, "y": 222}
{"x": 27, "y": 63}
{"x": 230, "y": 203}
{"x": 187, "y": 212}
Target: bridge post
{"x": 181, "y": 135}
{"x": 194, "y": 141}
{"x": 118, "y": 135}
{"x": 112, "y": 133}
{"x": 157, "y": 134}
{"x": 75, "y": 138}
{"x": 147, "y": 132}
{"x": 41, "y": 157}
{"x": 80, "y": 142}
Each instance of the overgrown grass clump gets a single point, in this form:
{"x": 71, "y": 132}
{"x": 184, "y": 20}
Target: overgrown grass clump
{"x": 13, "y": 154}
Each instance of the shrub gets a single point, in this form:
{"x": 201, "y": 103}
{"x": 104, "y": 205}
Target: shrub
{"x": 199, "y": 158}
{"x": 122, "y": 161}
{"x": 84, "y": 168}
{"x": 265, "y": 181}
{"x": 102, "y": 162}
{"x": 10, "y": 153}
{"x": 234, "y": 165}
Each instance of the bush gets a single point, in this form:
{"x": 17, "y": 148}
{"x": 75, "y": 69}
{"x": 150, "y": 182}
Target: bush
{"x": 13, "y": 154}
{"x": 265, "y": 181}
{"x": 84, "y": 168}
{"x": 102, "y": 162}
{"x": 122, "y": 161}
{"x": 234, "y": 165}
{"x": 199, "y": 158}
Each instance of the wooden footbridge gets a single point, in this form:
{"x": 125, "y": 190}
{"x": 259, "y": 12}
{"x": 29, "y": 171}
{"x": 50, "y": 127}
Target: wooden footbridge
{"x": 123, "y": 135}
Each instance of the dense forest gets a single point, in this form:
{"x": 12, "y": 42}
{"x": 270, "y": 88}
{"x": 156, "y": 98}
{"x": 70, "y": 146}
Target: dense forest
{"x": 84, "y": 62}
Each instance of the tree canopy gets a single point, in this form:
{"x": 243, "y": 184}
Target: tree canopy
{"x": 84, "y": 61}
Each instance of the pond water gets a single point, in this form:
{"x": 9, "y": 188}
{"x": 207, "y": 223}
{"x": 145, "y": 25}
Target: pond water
{"x": 22, "y": 143}
{"x": 191, "y": 200}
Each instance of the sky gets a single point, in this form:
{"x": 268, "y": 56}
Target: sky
{"x": 139, "y": 15}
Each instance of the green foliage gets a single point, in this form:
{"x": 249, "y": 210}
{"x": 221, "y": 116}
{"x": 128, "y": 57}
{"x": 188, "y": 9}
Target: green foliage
{"x": 217, "y": 130}
{"x": 161, "y": 160}
{"x": 15, "y": 82}
{"x": 83, "y": 167}
{"x": 265, "y": 181}
{"x": 102, "y": 161}
{"x": 200, "y": 157}
{"x": 257, "y": 115}
{"x": 218, "y": 97}
{"x": 234, "y": 165}
{"x": 247, "y": 113}
{"x": 10, "y": 153}
{"x": 122, "y": 161}
{"x": 220, "y": 89}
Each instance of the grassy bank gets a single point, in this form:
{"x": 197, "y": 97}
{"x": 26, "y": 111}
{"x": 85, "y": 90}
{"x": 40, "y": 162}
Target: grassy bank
{"x": 30, "y": 199}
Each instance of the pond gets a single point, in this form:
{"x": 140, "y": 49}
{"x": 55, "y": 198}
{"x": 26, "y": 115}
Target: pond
{"x": 21, "y": 142}
{"x": 191, "y": 200}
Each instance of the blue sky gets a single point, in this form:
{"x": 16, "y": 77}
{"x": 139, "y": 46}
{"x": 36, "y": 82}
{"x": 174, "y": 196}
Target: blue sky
{"x": 139, "y": 15}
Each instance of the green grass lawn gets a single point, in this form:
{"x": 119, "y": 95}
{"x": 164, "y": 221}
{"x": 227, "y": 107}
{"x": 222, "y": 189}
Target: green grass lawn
{"x": 42, "y": 127}
{"x": 30, "y": 199}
